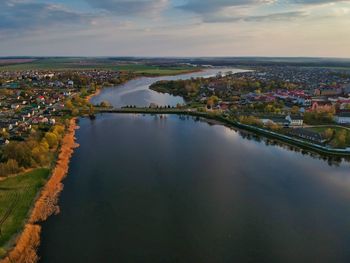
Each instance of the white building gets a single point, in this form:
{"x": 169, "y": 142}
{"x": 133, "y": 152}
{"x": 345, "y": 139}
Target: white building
{"x": 295, "y": 120}
{"x": 70, "y": 83}
{"x": 342, "y": 118}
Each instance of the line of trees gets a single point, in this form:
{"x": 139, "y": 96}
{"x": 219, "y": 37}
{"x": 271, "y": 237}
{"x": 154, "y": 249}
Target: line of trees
{"x": 37, "y": 151}
{"x": 337, "y": 138}
{"x": 251, "y": 120}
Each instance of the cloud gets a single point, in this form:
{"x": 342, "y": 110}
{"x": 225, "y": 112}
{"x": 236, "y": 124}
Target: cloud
{"x": 316, "y": 2}
{"x": 130, "y": 7}
{"x": 275, "y": 17}
{"x": 19, "y": 16}
{"x": 184, "y": 27}
{"x": 221, "y": 11}
{"x": 209, "y": 6}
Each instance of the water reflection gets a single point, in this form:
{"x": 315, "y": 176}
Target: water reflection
{"x": 232, "y": 132}
{"x": 176, "y": 189}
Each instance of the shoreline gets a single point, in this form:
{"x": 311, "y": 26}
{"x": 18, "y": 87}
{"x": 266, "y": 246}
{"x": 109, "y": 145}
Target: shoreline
{"x": 46, "y": 204}
{"x": 96, "y": 93}
{"x": 99, "y": 90}
{"x": 28, "y": 241}
{"x": 304, "y": 145}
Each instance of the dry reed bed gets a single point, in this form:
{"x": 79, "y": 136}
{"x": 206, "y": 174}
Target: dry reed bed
{"x": 25, "y": 250}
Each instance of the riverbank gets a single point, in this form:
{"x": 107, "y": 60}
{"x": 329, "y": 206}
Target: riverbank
{"x": 155, "y": 75}
{"x": 137, "y": 91}
{"x": 208, "y": 178}
{"x": 96, "y": 93}
{"x": 45, "y": 205}
{"x": 234, "y": 124}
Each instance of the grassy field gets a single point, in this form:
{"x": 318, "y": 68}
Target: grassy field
{"x": 60, "y": 64}
{"x": 17, "y": 195}
{"x": 334, "y": 68}
{"x": 154, "y": 70}
{"x": 92, "y": 63}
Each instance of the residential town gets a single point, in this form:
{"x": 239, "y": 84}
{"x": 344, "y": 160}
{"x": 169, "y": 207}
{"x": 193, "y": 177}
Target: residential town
{"x": 274, "y": 97}
{"x": 30, "y": 98}
{"x": 277, "y": 98}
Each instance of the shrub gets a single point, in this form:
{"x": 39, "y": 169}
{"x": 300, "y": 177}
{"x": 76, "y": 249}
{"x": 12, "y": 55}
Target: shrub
{"x": 8, "y": 168}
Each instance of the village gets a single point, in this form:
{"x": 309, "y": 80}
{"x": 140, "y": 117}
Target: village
{"x": 29, "y": 98}
{"x": 312, "y": 104}
{"x": 307, "y": 103}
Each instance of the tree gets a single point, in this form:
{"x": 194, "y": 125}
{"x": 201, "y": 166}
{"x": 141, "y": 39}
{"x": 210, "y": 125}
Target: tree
{"x": 273, "y": 126}
{"x": 83, "y": 92}
{"x": 328, "y": 133}
{"x": 105, "y": 104}
{"x": 295, "y": 110}
{"x": 58, "y": 130}
{"x": 40, "y": 153}
{"x": 269, "y": 108}
{"x": 341, "y": 139}
{"x": 212, "y": 101}
{"x": 4, "y": 134}
{"x": 69, "y": 105}
{"x": 19, "y": 151}
{"x": 51, "y": 139}
{"x": 75, "y": 112}
{"x": 91, "y": 110}
{"x": 8, "y": 168}
{"x": 250, "y": 120}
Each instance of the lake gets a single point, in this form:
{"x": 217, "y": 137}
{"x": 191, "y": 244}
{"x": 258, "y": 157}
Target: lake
{"x": 144, "y": 188}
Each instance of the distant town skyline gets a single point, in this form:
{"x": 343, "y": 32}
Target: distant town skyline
{"x": 287, "y": 28}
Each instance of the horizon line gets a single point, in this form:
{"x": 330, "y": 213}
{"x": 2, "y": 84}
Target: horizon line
{"x": 180, "y": 57}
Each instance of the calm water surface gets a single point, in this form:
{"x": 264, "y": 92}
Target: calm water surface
{"x": 151, "y": 189}
{"x": 137, "y": 92}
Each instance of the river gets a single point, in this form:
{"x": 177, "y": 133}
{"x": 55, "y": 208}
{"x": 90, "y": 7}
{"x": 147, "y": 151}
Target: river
{"x": 137, "y": 92}
{"x": 142, "y": 188}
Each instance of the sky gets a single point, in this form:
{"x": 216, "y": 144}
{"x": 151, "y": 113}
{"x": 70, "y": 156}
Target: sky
{"x": 312, "y": 28}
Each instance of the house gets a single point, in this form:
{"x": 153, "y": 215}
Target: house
{"x": 4, "y": 141}
{"x": 342, "y": 118}
{"x": 40, "y": 99}
{"x": 295, "y": 120}
{"x": 70, "y": 83}
{"x": 224, "y": 105}
{"x": 328, "y": 91}
{"x": 282, "y": 121}
{"x": 346, "y": 89}
{"x": 290, "y": 120}
{"x": 14, "y": 106}
{"x": 304, "y": 101}
{"x": 320, "y": 106}
{"x": 307, "y": 135}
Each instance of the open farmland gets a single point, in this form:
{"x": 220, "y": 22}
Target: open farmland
{"x": 91, "y": 64}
